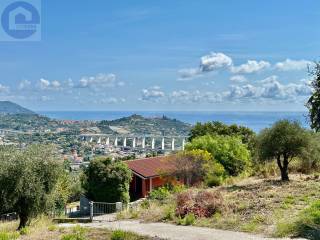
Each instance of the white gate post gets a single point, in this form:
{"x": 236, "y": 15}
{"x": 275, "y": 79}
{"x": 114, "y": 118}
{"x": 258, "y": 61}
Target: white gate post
{"x": 91, "y": 211}
{"x": 118, "y": 206}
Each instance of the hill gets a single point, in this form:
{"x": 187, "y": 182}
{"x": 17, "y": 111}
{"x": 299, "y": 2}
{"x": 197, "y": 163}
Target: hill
{"x": 137, "y": 124}
{"x": 7, "y": 107}
{"x": 15, "y": 117}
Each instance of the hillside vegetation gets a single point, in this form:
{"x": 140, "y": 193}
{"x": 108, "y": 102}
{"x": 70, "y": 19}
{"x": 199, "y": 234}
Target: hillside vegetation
{"x": 265, "y": 206}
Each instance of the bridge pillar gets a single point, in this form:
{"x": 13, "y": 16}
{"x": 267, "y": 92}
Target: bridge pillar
{"x": 162, "y": 144}
{"x": 99, "y": 140}
{"x": 134, "y": 142}
{"x": 172, "y": 144}
{"x": 152, "y": 143}
{"x": 116, "y": 142}
{"x": 125, "y": 142}
{"x": 91, "y": 139}
{"x": 108, "y": 141}
{"x": 183, "y": 143}
{"x": 144, "y": 143}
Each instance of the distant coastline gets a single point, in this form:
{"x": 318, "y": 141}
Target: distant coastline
{"x": 254, "y": 120}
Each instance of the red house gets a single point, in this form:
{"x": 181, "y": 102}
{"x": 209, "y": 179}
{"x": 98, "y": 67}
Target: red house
{"x": 147, "y": 175}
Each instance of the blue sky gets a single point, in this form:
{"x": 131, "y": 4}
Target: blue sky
{"x": 165, "y": 55}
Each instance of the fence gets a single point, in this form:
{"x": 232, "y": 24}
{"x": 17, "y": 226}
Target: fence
{"x": 8, "y": 217}
{"x": 102, "y": 208}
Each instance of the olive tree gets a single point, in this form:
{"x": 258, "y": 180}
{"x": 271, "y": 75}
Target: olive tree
{"x": 282, "y": 142}
{"x": 27, "y": 179}
{"x": 313, "y": 103}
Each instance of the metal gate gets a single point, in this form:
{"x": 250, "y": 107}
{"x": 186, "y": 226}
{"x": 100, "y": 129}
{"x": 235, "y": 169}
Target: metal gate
{"x": 101, "y": 208}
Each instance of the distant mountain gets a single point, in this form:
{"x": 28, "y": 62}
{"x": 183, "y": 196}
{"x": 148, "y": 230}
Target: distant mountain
{"x": 7, "y": 107}
{"x": 136, "y": 124}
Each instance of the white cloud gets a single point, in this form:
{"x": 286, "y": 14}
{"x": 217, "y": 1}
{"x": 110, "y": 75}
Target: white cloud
{"x": 110, "y": 100}
{"x": 214, "y": 61}
{"x": 238, "y": 78}
{"x": 69, "y": 83}
{"x": 269, "y": 79}
{"x": 55, "y": 84}
{"x": 188, "y": 73}
{"x": 100, "y": 81}
{"x": 208, "y": 63}
{"x": 4, "y": 89}
{"x": 24, "y": 84}
{"x": 292, "y": 65}
{"x": 45, "y": 98}
{"x": 182, "y": 96}
{"x": 270, "y": 88}
{"x": 45, "y": 84}
{"x": 152, "y": 94}
{"x": 251, "y": 66}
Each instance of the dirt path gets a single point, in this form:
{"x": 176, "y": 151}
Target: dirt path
{"x": 173, "y": 232}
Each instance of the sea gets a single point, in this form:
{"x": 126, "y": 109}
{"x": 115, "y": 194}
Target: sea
{"x": 254, "y": 120}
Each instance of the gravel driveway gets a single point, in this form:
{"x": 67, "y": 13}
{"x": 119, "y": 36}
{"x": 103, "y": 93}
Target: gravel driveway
{"x": 173, "y": 232}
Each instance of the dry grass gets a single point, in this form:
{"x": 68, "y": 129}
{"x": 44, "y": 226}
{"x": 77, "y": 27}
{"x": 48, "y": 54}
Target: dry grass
{"x": 258, "y": 205}
{"x": 251, "y": 205}
{"x": 44, "y": 229}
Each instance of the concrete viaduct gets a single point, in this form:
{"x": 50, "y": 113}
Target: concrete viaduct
{"x": 138, "y": 141}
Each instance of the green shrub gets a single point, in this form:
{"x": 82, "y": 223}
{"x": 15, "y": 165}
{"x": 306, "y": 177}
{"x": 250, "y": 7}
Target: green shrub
{"x": 105, "y": 180}
{"x": 160, "y": 194}
{"x": 118, "y": 235}
{"x": 308, "y": 224}
{"x": 189, "y": 219}
{"x": 78, "y": 233}
{"x": 52, "y": 228}
{"x": 145, "y": 204}
{"x": 9, "y": 235}
{"x": 169, "y": 213}
{"x": 215, "y": 176}
{"x": 177, "y": 188}
{"x": 24, "y": 231}
{"x": 229, "y": 151}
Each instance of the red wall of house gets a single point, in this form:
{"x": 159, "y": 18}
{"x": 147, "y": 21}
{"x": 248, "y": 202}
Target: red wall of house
{"x": 146, "y": 186}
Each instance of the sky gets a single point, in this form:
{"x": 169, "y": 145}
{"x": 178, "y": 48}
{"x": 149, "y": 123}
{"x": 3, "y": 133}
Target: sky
{"x": 217, "y": 55}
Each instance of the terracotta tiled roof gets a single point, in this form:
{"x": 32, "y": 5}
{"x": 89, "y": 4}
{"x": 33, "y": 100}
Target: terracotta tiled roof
{"x": 149, "y": 167}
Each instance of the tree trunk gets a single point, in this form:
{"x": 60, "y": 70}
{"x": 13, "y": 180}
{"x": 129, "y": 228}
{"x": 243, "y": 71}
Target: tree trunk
{"x": 23, "y": 220}
{"x": 284, "y": 174}
{"x": 283, "y": 167}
